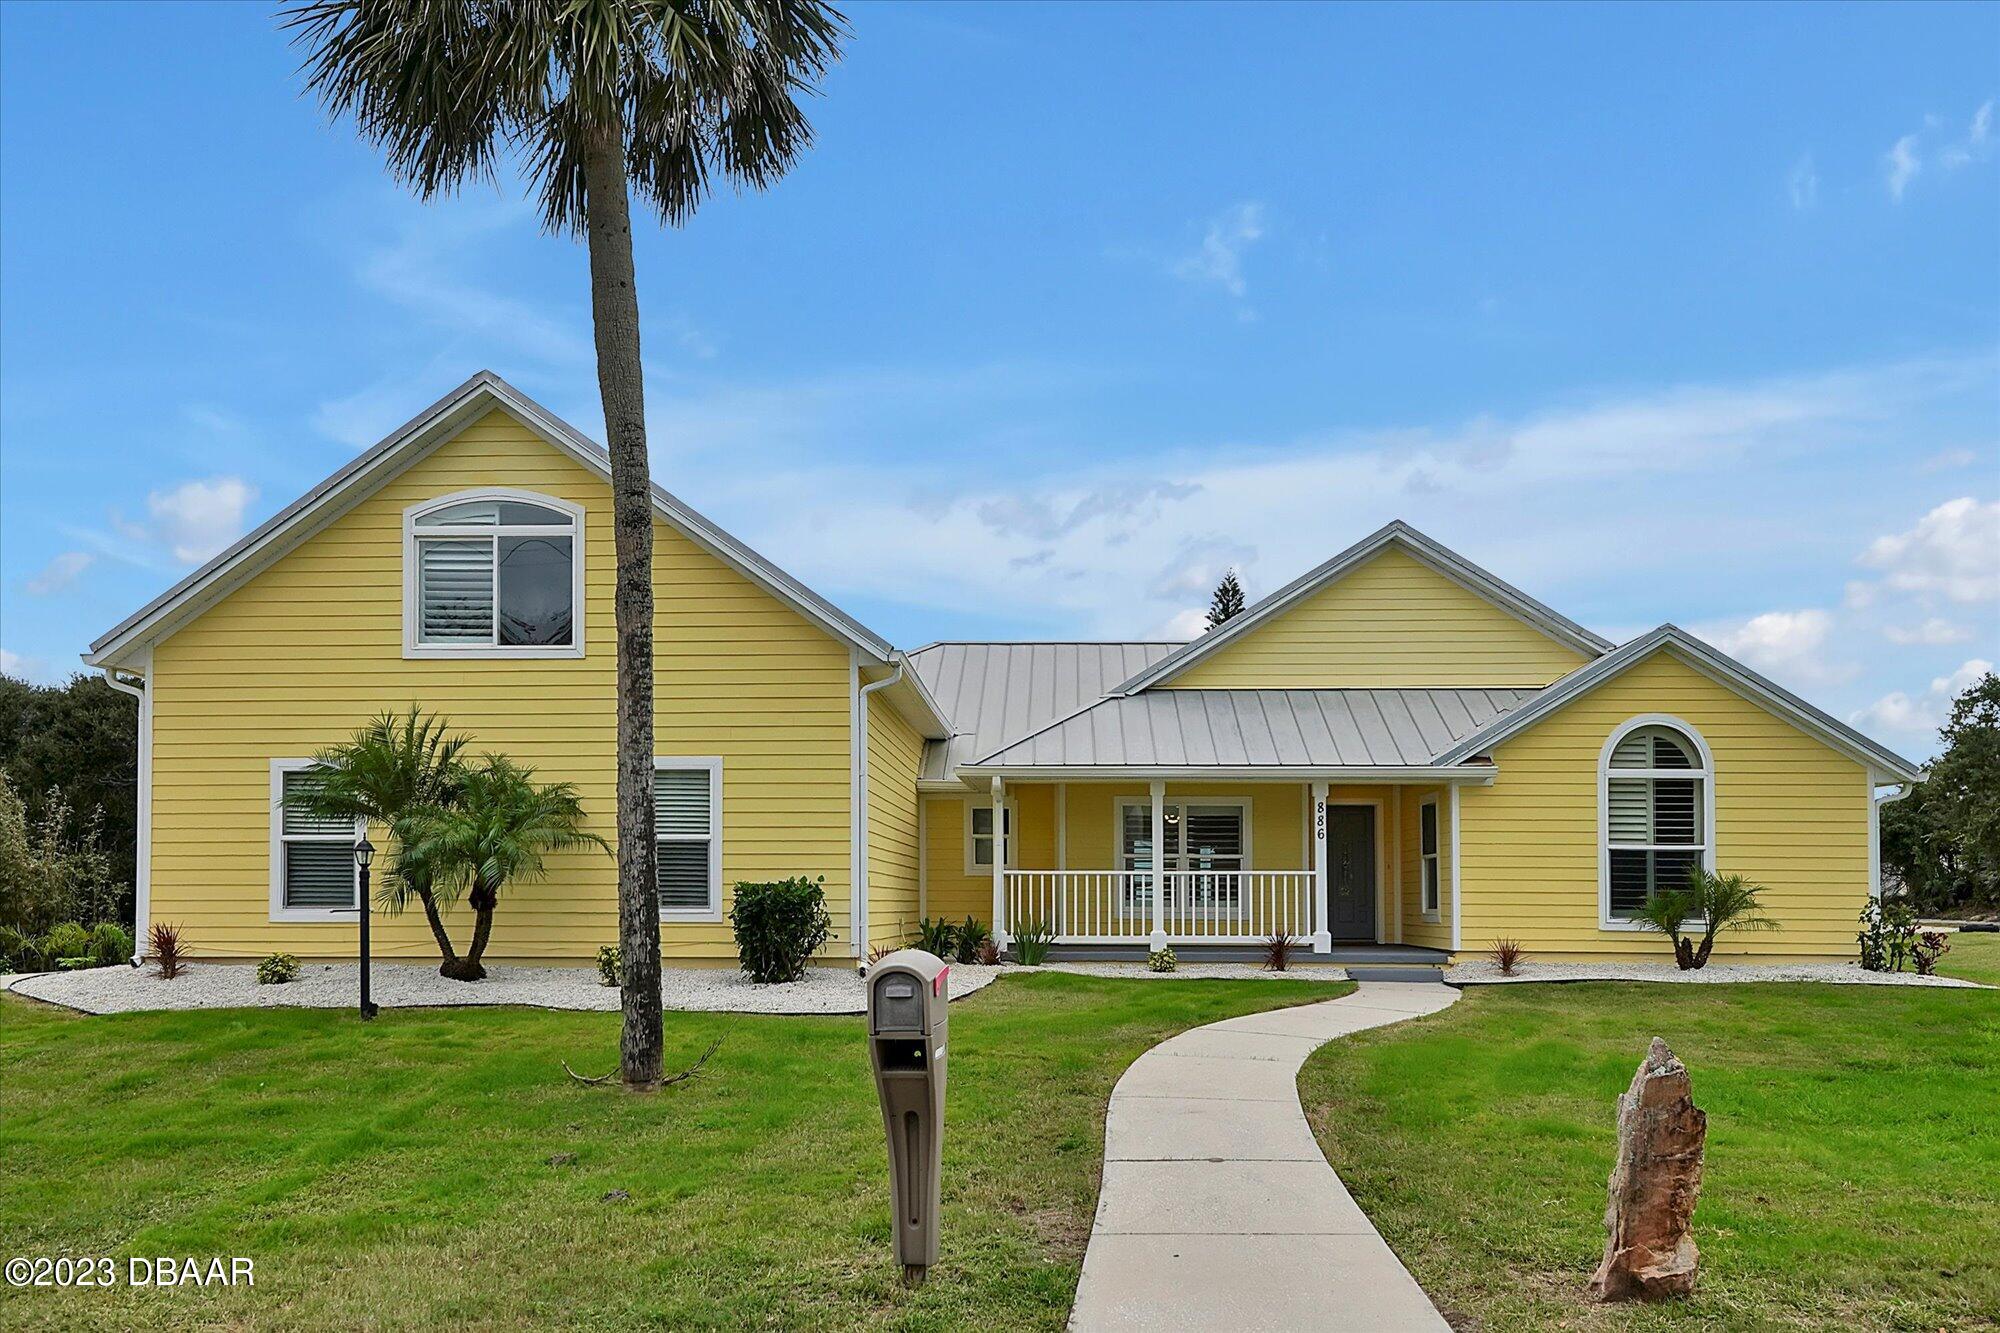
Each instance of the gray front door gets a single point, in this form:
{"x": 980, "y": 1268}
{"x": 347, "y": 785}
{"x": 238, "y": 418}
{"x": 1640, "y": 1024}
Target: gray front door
{"x": 1350, "y": 872}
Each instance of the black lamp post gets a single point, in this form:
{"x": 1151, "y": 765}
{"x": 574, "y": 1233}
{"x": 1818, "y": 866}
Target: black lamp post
{"x": 364, "y": 852}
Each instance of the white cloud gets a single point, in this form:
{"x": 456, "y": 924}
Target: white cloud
{"x": 1789, "y": 646}
{"x": 11, "y": 662}
{"x": 22, "y": 667}
{"x": 1802, "y": 183}
{"x": 1899, "y": 712}
{"x": 1220, "y": 258}
{"x": 1953, "y": 552}
{"x": 196, "y": 519}
{"x": 1945, "y": 460}
{"x": 1935, "y": 632}
{"x": 1976, "y": 144}
{"x": 59, "y": 574}
{"x": 1900, "y": 166}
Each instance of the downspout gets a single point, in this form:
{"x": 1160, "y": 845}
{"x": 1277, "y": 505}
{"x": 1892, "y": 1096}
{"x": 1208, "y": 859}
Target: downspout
{"x": 859, "y": 891}
{"x": 140, "y": 688}
{"x": 1875, "y": 838}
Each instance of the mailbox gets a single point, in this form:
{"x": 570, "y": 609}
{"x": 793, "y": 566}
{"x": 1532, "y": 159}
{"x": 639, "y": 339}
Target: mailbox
{"x": 908, "y": 995}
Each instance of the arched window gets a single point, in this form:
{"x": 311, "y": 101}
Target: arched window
{"x": 493, "y": 574}
{"x": 1657, "y": 810}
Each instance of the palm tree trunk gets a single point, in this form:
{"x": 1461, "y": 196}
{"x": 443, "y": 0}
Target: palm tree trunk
{"x": 483, "y": 900}
{"x": 436, "y": 919}
{"x": 614, "y": 306}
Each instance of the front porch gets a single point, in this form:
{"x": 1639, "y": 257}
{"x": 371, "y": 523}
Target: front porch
{"x": 1351, "y": 866}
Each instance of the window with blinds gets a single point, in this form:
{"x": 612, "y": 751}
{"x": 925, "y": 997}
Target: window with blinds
{"x": 1207, "y": 840}
{"x": 494, "y": 574}
{"x": 317, "y": 855}
{"x": 1655, "y": 816}
{"x": 685, "y": 839}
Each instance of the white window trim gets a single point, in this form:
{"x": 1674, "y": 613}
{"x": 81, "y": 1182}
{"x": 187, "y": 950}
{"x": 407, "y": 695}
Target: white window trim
{"x": 1010, "y": 827}
{"x": 1124, "y": 803}
{"x": 280, "y": 911}
{"x": 412, "y": 612}
{"x": 1432, "y": 912}
{"x": 1605, "y": 921}
{"x": 713, "y": 765}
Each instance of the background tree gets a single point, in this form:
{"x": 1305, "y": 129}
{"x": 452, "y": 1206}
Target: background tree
{"x": 1227, "y": 602}
{"x": 1942, "y": 841}
{"x": 391, "y": 772}
{"x": 81, "y": 737}
{"x": 593, "y": 99}
{"x": 500, "y": 828}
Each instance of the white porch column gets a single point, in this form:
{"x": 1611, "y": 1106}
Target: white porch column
{"x": 1159, "y": 939}
{"x": 1000, "y": 935}
{"x": 1322, "y": 937}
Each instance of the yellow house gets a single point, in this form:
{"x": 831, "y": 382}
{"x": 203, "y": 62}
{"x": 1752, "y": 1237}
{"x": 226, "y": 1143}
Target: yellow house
{"x": 1397, "y": 756}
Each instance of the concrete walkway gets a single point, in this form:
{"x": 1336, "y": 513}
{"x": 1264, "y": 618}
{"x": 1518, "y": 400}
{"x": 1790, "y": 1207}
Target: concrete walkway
{"x": 1218, "y": 1209}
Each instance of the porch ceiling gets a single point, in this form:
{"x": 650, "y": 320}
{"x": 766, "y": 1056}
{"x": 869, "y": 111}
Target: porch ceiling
{"x": 1252, "y": 729}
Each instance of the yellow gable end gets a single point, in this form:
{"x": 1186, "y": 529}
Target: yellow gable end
{"x": 1393, "y": 621}
{"x": 311, "y": 647}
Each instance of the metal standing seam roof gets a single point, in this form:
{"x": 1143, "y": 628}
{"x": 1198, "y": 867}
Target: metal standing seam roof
{"x": 1262, "y": 729}
{"x": 994, "y": 693}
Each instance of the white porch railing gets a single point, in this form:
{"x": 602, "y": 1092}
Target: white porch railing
{"x": 1205, "y": 906}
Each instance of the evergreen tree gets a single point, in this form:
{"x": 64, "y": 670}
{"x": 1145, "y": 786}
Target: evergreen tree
{"x": 1227, "y": 603}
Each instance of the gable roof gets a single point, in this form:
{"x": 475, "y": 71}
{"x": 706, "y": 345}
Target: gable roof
{"x": 1709, "y": 661}
{"x": 1398, "y": 534}
{"x": 1258, "y": 730}
{"x": 430, "y": 428}
{"x": 994, "y": 693}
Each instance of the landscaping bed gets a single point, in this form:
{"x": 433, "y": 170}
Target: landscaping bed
{"x": 1852, "y": 1176}
{"x": 436, "y": 1168}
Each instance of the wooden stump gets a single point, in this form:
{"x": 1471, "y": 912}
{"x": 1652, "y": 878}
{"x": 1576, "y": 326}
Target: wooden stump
{"x": 1649, "y": 1249}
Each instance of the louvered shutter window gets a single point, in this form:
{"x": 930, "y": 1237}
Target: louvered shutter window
{"x": 684, "y": 839}
{"x": 318, "y": 853}
{"x": 495, "y": 573}
{"x": 456, "y": 590}
{"x": 1656, "y": 816}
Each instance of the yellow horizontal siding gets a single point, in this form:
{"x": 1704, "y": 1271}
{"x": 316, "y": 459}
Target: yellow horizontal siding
{"x": 1416, "y": 929}
{"x": 1393, "y": 621}
{"x": 1790, "y": 813}
{"x": 895, "y": 755}
{"x": 306, "y": 651}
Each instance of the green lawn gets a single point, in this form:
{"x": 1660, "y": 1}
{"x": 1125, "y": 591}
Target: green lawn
{"x": 1974, "y": 957}
{"x": 397, "y": 1175}
{"x": 1853, "y": 1169}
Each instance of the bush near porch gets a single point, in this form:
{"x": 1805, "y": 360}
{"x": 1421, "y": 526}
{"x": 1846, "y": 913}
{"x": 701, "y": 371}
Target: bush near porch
{"x": 1852, "y": 1177}
{"x": 412, "y": 1173}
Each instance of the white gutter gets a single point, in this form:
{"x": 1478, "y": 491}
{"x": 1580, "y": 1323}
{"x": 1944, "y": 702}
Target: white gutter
{"x": 1875, "y": 835}
{"x": 858, "y": 892}
{"x": 142, "y": 866}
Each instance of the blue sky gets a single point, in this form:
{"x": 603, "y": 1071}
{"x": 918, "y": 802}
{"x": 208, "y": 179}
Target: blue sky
{"x": 1685, "y": 314}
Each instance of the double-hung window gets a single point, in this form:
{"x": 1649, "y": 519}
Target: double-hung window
{"x": 313, "y": 875}
{"x": 687, "y": 837}
{"x": 494, "y": 575}
{"x": 1657, "y": 815}
{"x": 979, "y": 837}
{"x": 1427, "y": 856}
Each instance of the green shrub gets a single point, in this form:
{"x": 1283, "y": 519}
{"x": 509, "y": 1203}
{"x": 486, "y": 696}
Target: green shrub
{"x": 938, "y": 937}
{"x": 109, "y": 944}
{"x": 277, "y": 970}
{"x": 779, "y": 926}
{"x": 1888, "y": 934}
{"x": 65, "y": 940}
{"x": 972, "y": 933}
{"x": 607, "y": 965}
{"x": 1032, "y": 941}
{"x": 23, "y": 952}
{"x": 1162, "y": 960}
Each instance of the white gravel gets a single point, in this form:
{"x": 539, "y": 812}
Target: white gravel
{"x": 113, "y": 990}
{"x": 1483, "y": 972}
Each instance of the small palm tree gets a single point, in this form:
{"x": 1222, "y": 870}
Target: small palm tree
{"x": 596, "y": 100}
{"x": 1717, "y": 902}
{"x": 500, "y": 827}
{"x": 386, "y": 773}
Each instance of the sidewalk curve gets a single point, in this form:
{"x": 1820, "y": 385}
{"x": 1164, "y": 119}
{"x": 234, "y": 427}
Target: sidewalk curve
{"x": 1218, "y": 1209}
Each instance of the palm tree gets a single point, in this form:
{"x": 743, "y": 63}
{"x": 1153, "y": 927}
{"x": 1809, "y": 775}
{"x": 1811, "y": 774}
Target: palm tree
{"x": 499, "y": 829}
{"x": 594, "y": 98}
{"x": 386, "y": 773}
{"x": 1717, "y": 902}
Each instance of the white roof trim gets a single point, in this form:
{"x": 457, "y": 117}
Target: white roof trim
{"x": 431, "y": 427}
{"x": 1709, "y": 661}
{"x": 1446, "y": 562}
{"x": 1479, "y": 773}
